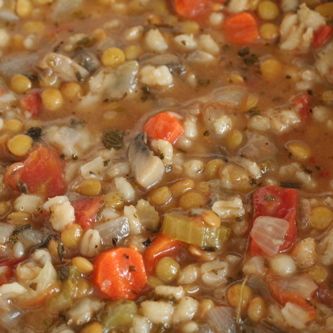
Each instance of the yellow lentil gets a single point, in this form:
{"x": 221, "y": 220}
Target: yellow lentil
{"x": 236, "y": 78}
{"x": 83, "y": 265}
{"x": 234, "y": 139}
{"x": 299, "y": 150}
{"x": 271, "y": 69}
{"x": 92, "y": 328}
{"x": 192, "y": 199}
{"x": 20, "y": 83}
{"x": 153, "y": 281}
{"x": 252, "y": 101}
{"x": 23, "y": 8}
{"x": 71, "y": 90}
{"x": 71, "y": 236}
{"x": 5, "y": 208}
{"x": 13, "y": 125}
{"x": 257, "y": 309}
{"x": 89, "y": 187}
{"x": 269, "y": 31}
{"x": 113, "y": 57}
{"x": 321, "y": 217}
{"x": 239, "y": 296}
{"x": 268, "y": 10}
{"x": 160, "y": 196}
{"x": 19, "y": 145}
{"x": 167, "y": 269}
{"x": 132, "y": 52}
{"x": 189, "y": 27}
{"x": 181, "y": 186}
{"x": 212, "y": 168}
{"x": 318, "y": 273}
{"x": 52, "y": 99}
{"x": 34, "y": 27}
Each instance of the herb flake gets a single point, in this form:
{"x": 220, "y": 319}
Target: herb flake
{"x": 113, "y": 139}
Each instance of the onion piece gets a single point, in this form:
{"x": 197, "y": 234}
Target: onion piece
{"x": 301, "y": 285}
{"x": 269, "y": 233}
{"x": 5, "y": 232}
{"x": 231, "y": 96}
{"x": 295, "y": 316}
{"x": 222, "y": 319}
{"x": 113, "y": 231}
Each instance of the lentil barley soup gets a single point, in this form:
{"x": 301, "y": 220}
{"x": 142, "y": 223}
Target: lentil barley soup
{"x": 166, "y": 166}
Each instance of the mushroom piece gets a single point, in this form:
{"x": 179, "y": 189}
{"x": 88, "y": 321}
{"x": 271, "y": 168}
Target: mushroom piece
{"x": 148, "y": 169}
{"x": 86, "y": 59}
{"x": 58, "y": 65}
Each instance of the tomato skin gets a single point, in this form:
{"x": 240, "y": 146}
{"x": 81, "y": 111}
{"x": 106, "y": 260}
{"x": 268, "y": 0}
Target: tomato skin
{"x": 86, "y": 211}
{"x": 41, "y": 173}
{"x": 322, "y": 36}
{"x": 302, "y": 103}
{"x": 277, "y": 202}
{"x": 190, "y": 8}
{"x": 32, "y": 103}
{"x": 120, "y": 274}
{"x": 162, "y": 246}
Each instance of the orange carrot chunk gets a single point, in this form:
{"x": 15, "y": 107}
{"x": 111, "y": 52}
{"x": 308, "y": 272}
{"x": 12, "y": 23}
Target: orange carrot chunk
{"x": 241, "y": 29}
{"x": 120, "y": 274}
{"x": 165, "y": 126}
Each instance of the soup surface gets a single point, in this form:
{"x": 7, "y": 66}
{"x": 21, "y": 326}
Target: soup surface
{"x": 166, "y": 166}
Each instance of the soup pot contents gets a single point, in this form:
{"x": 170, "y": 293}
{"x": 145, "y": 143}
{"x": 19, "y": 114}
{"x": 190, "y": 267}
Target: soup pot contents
{"x": 166, "y": 166}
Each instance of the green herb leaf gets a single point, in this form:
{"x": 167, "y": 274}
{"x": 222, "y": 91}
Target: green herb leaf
{"x": 113, "y": 139}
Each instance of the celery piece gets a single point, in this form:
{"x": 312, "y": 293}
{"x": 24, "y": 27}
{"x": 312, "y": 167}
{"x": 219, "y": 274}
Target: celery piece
{"x": 194, "y": 231}
{"x": 118, "y": 314}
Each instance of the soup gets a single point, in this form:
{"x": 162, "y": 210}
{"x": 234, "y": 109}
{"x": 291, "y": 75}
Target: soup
{"x": 166, "y": 166}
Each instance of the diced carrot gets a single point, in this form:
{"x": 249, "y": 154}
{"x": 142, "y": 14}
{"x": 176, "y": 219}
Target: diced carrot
{"x": 120, "y": 273}
{"x": 161, "y": 246}
{"x": 32, "y": 103}
{"x": 41, "y": 173}
{"x": 165, "y": 126}
{"x": 241, "y": 29}
{"x": 190, "y": 8}
{"x": 86, "y": 211}
{"x": 322, "y": 36}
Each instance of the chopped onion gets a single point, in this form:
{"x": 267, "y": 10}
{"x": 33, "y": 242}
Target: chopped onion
{"x": 222, "y": 319}
{"x": 301, "y": 285}
{"x": 295, "y": 316}
{"x": 113, "y": 231}
{"x": 269, "y": 233}
{"x": 5, "y": 232}
{"x": 231, "y": 96}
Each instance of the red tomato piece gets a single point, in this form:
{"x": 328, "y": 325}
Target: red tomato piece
{"x": 120, "y": 273}
{"x": 32, "y": 103}
{"x": 41, "y": 173}
{"x": 86, "y": 211}
{"x": 322, "y": 36}
{"x": 190, "y": 8}
{"x": 277, "y": 202}
{"x": 161, "y": 246}
{"x": 302, "y": 104}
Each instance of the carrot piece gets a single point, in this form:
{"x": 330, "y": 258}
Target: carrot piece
{"x": 120, "y": 273}
{"x": 86, "y": 211}
{"x": 164, "y": 126}
{"x": 161, "y": 246}
{"x": 241, "y": 29}
{"x": 190, "y": 8}
{"x": 322, "y": 36}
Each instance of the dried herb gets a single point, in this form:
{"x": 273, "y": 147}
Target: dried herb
{"x": 63, "y": 273}
{"x": 35, "y": 133}
{"x": 113, "y": 139}
{"x": 61, "y": 251}
{"x": 253, "y": 112}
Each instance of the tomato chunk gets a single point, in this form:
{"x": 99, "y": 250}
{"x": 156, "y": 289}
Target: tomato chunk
{"x": 32, "y": 103}
{"x": 278, "y": 202}
{"x": 120, "y": 273}
{"x": 161, "y": 246}
{"x": 190, "y": 8}
{"x": 86, "y": 211}
{"x": 41, "y": 173}
{"x": 322, "y": 36}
